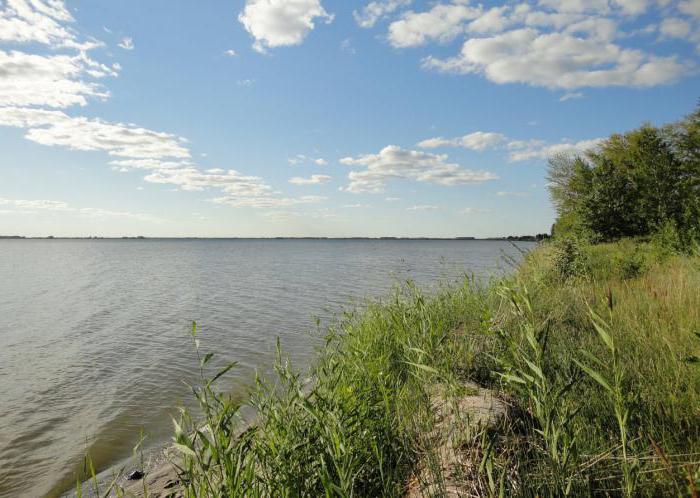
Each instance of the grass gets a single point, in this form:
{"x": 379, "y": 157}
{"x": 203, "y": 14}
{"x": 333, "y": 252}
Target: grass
{"x": 594, "y": 348}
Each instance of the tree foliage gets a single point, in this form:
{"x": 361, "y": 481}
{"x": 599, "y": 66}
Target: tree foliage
{"x": 632, "y": 184}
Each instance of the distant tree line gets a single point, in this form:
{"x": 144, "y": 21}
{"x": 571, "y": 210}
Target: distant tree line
{"x": 633, "y": 184}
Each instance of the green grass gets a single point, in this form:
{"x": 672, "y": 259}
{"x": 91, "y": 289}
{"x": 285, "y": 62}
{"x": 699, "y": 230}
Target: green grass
{"x": 595, "y": 349}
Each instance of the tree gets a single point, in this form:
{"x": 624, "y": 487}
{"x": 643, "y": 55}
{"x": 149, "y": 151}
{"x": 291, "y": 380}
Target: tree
{"x": 632, "y": 184}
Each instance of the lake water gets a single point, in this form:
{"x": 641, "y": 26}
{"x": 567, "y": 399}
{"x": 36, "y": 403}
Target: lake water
{"x": 94, "y": 343}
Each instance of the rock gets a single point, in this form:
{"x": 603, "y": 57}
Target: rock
{"x": 134, "y": 475}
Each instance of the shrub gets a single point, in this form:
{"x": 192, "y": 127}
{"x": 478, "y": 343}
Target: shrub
{"x": 570, "y": 259}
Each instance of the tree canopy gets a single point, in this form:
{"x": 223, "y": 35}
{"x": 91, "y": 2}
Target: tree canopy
{"x": 631, "y": 184}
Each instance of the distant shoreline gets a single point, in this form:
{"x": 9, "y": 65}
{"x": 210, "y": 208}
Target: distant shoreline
{"x": 513, "y": 238}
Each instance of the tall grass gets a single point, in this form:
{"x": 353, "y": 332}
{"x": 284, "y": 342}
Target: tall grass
{"x": 355, "y": 430}
{"x": 596, "y": 350}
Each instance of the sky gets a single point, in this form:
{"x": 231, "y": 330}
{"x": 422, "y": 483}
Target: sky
{"x": 258, "y": 118}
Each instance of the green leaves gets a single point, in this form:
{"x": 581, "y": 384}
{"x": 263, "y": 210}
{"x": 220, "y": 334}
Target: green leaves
{"x": 595, "y": 376}
{"x": 221, "y": 373}
{"x": 185, "y": 450}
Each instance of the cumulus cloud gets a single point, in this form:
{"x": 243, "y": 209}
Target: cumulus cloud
{"x": 368, "y": 16}
{"x": 518, "y": 150}
{"x": 33, "y": 87}
{"x": 312, "y": 180}
{"x": 231, "y": 52}
{"x": 690, "y": 7}
{"x": 278, "y": 23}
{"x": 393, "y": 162}
{"x": 79, "y": 133}
{"x": 164, "y": 156}
{"x": 52, "y": 81}
{"x": 441, "y": 23}
{"x": 558, "y": 60}
{"x": 57, "y": 80}
{"x": 39, "y": 21}
{"x": 230, "y": 181}
{"x": 474, "y": 141}
{"x": 577, "y": 6}
{"x": 558, "y": 44}
{"x": 674, "y": 27}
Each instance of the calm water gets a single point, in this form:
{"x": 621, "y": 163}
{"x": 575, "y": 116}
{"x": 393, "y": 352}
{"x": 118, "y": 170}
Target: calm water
{"x": 93, "y": 334}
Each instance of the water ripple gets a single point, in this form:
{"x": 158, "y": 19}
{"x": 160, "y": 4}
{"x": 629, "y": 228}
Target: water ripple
{"x": 94, "y": 342}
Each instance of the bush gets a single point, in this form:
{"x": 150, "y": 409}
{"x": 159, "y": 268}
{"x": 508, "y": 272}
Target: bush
{"x": 570, "y": 259}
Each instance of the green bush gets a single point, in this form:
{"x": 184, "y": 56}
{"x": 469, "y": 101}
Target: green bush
{"x": 570, "y": 259}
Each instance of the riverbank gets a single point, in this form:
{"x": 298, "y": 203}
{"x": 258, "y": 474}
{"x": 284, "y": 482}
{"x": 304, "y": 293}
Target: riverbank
{"x": 592, "y": 353}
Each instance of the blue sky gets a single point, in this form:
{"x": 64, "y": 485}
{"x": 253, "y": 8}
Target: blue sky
{"x": 320, "y": 117}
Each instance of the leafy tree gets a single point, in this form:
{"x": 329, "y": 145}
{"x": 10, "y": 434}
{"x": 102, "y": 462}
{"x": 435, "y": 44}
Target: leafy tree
{"x": 632, "y": 184}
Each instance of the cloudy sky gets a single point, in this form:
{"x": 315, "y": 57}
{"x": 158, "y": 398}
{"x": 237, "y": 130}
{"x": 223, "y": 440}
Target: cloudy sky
{"x": 320, "y": 117}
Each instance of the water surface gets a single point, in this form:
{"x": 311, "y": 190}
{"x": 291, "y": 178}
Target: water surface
{"x": 93, "y": 333}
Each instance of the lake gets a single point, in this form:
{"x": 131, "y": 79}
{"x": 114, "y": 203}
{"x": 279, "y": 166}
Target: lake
{"x": 94, "y": 338}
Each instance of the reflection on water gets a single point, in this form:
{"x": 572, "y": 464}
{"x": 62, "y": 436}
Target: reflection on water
{"x": 94, "y": 344}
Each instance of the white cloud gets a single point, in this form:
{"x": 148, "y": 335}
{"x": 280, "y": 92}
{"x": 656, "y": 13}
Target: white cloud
{"x": 422, "y": 207}
{"x": 39, "y": 21}
{"x": 577, "y": 6}
{"x": 125, "y": 165}
{"x": 690, "y": 7}
{"x": 571, "y": 96}
{"x": 633, "y": 7}
{"x": 442, "y": 23}
{"x": 392, "y": 199}
{"x": 302, "y": 159}
{"x": 494, "y": 20}
{"x": 163, "y": 155}
{"x": 245, "y": 83}
{"x": 393, "y": 162}
{"x": 38, "y": 205}
{"x": 558, "y": 60}
{"x": 229, "y": 181}
{"x": 537, "y": 149}
{"x": 519, "y": 150}
{"x": 268, "y": 202}
{"x": 79, "y": 133}
{"x": 231, "y": 52}
{"x": 558, "y": 44}
{"x": 675, "y": 27}
{"x": 278, "y": 23}
{"x": 374, "y": 11}
{"x": 127, "y": 43}
{"x": 312, "y": 180}
{"x": 33, "y": 86}
{"x": 52, "y": 81}
{"x": 513, "y": 194}
{"x": 474, "y": 141}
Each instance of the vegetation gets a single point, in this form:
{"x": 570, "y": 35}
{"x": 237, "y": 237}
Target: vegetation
{"x": 633, "y": 184}
{"x": 593, "y": 343}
